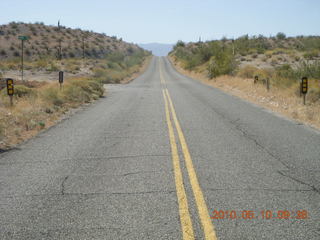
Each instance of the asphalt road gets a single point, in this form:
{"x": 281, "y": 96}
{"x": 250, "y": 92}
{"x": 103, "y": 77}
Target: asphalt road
{"x": 164, "y": 157}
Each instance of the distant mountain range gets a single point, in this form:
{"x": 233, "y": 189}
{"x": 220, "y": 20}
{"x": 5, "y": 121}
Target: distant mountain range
{"x": 157, "y": 49}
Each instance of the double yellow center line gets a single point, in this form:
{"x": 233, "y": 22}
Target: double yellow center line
{"x": 185, "y": 218}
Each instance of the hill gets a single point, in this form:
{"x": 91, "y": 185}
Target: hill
{"x": 44, "y": 42}
{"x": 257, "y": 51}
{"x": 157, "y": 49}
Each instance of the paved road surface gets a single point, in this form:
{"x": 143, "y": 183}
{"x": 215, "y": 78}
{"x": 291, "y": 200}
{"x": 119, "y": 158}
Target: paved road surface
{"x": 157, "y": 159}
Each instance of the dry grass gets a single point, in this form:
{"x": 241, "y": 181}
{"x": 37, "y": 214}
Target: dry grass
{"x": 285, "y": 101}
{"x": 137, "y": 71}
{"x": 40, "y": 107}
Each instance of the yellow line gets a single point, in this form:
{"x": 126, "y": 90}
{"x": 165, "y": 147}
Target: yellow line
{"x": 185, "y": 219}
{"x": 162, "y": 80}
{"x": 207, "y": 225}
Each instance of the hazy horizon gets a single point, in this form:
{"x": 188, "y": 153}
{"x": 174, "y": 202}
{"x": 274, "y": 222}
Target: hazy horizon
{"x": 157, "y": 49}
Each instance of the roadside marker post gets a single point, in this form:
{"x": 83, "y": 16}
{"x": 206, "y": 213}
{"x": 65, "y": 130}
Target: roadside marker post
{"x": 268, "y": 84}
{"x": 22, "y": 38}
{"x": 304, "y": 88}
{"x": 60, "y": 47}
{"x": 61, "y": 79}
{"x": 10, "y": 89}
{"x": 233, "y": 52}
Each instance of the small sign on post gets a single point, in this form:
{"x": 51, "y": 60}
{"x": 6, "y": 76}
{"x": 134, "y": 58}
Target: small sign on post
{"x": 22, "y": 38}
{"x": 10, "y": 89}
{"x": 304, "y": 88}
{"x": 61, "y": 79}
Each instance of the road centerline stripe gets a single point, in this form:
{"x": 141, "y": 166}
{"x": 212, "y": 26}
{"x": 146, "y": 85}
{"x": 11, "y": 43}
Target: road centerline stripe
{"x": 185, "y": 218}
{"x": 207, "y": 225}
{"x": 162, "y": 80}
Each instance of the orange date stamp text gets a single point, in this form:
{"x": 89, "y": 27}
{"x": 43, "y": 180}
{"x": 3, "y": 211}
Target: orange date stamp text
{"x": 261, "y": 214}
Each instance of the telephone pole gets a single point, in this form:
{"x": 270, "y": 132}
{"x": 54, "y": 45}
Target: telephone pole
{"x": 60, "y": 48}
{"x": 22, "y": 38}
{"x": 233, "y": 52}
{"x": 83, "y": 47}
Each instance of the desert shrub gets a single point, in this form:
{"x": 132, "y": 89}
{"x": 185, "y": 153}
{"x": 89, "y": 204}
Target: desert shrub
{"x": 114, "y": 66}
{"x": 13, "y": 25}
{"x": 180, "y": 44}
{"x": 263, "y": 73}
{"x": 99, "y": 73}
{"x": 114, "y": 77}
{"x": 28, "y": 53}
{"x": 96, "y": 87}
{"x": 52, "y": 96}
{"x": 2, "y": 131}
{"x": 247, "y": 71}
{"x": 311, "y": 54}
{"x": 115, "y": 57}
{"x": 314, "y": 94}
{"x": 41, "y": 63}
{"x": 23, "y": 91}
{"x": 285, "y": 71}
{"x": 71, "y": 55}
{"x": 192, "y": 61}
{"x": 83, "y": 90}
{"x": 281, "y": 36}
{"x": 273, "y": 61}
{"x": 310, "y": 70}
{"x": 72, "y": 65}
{"x": 16, "y": 53}
{"x": 52, "y": 67}
{"x": 222, "y": 63}
{"x": 74, "y": 93}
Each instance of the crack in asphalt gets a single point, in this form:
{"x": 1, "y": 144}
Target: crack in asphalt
{"x": 259, "y": 189}
{"x": 91, "y": 194}
{"x": 87, "y": 158}
{"x": 63, "y": 185}
{"x": 139, "y": 172}
{"x": 237, "y": 126}
{"x": 63, "y": 229}
{"x": 300, "y": 181}
{"x": 248, "y": 136}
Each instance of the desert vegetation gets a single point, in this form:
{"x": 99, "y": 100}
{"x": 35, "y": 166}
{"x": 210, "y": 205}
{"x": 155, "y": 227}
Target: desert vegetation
{"x": 281, "y": 61}
{"x": 38, "y": 104}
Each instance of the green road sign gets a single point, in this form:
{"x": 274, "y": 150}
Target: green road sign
{"x": 23, "y": 38}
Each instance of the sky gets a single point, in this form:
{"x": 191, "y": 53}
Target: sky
{"x": 167, "y": 21}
